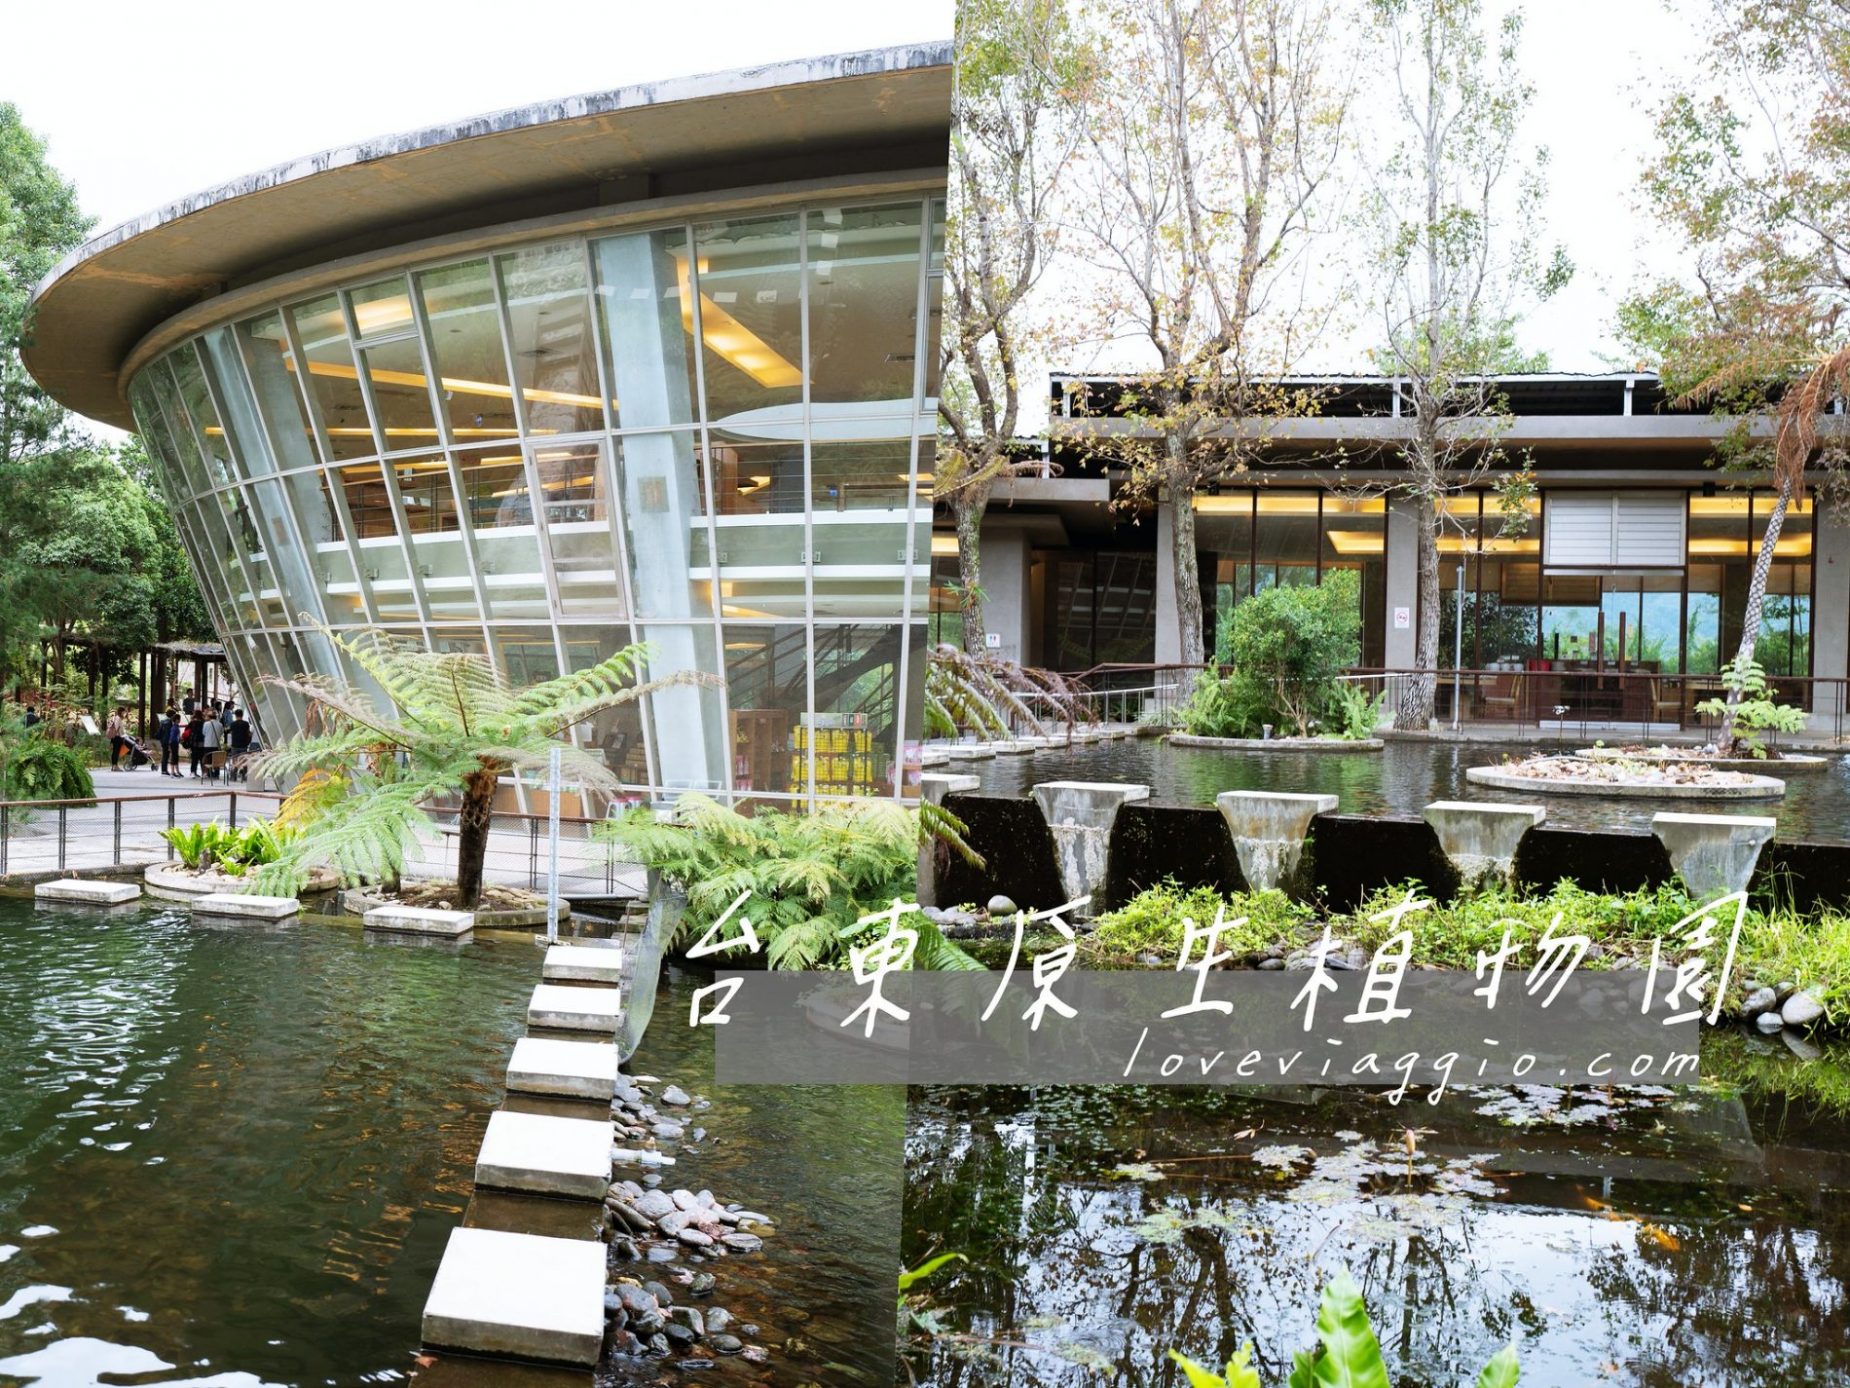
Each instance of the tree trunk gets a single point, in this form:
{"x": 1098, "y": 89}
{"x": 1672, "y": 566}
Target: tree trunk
{"x": 968, "y": 510}
{"x": 1180, "y": 498}
{"x": 1750, "y": 618}
{"x": 472, "y": 834}
{"x": 1416, "y": 691}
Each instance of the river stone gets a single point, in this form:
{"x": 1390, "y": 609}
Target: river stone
{"x": 1000, "y": 905}
{"x": 663, "y": 1297}
{"x": 653, "y": 1204}
{"x": 725, "y": 1344}
{"x": 701, "y": 1283}
{"x": 658, "y": 1345}
{"x": 684, "y": 1199}
{"x": 1801, "y": 1009}
{"x": 636, "y": 1222}
{"x": 675, "y": 1095}
{"x": 633, "y": 1299}
{"x": 1769, "y": 1022}
{"x": 689, "y": 1316}
{"x": 743, "y": 1243}
{"x": 693, "y": 1238}
{"x": 668, "y": 1132}
{"x": 1759, "y": 1001}
{"x": 718, "y": 1318}
{"x": 675, "y": 1221}
{"x": 1272, "y": 963}
{"x": 679, "y": 1334}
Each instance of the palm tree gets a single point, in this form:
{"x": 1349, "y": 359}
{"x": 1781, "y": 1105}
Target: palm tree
{"x": 1795, "y": 439}
{"x": 368, "y": 776}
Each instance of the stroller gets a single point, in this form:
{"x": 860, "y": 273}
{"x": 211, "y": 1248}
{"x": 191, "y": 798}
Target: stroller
{"x": 137, "y": 757}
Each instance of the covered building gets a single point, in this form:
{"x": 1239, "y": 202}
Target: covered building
{"x": 1620, "y": 599}
{"x": 654, "y": 364}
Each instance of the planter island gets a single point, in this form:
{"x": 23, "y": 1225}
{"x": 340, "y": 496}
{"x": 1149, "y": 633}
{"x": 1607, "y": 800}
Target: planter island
{"x": 1621, "y": 778}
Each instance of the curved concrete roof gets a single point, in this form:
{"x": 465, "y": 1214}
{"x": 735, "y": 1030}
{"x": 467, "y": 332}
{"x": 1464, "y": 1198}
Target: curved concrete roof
{"x": 851, "y": 113}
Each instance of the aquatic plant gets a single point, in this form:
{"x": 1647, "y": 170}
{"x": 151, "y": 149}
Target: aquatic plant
{"x": 1347, "y": 1355}
{"x": 258, "y": 844}
{"x": 810, "y": 877}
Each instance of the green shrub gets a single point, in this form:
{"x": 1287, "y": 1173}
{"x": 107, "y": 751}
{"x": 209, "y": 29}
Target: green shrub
{"x": 1756, "y": 713}
{"x": 233, "y": 851}
{"x": 811, "y": 877}
{"x": 1356, "y": 713}
{"x": 1152, "y": 922}
{"x": 1288, "y": 647}
{"x": 39, "y": 769}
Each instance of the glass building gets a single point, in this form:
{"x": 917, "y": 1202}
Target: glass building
{"x": 702, "y": 430}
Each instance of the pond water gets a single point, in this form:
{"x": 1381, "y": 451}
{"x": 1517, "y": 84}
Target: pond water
{"x": 824, "y": 1162}
{"x": 232, "y": 1155}
{"x": 1402, "y": 778}
{"x": 1658, "y": 1239}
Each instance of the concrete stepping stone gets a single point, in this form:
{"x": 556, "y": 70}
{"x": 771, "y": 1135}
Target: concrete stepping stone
{"x": 419, "y": 920}
{"x": 575, "y": 1069}
{"x": 524, "y": 1295}
{"x": 1714, "y": 854}
{"x": 262, "y": 908}
{"x": 583, "y": 964}
{"x": 545, "y": 1155}
{"x": 87, "y": 892}
{"x": 572, "y": 1008}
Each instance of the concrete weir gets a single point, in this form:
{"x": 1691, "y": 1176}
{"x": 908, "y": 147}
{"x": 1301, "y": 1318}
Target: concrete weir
{"x": 1080, "y": 815}
{"x": 583, "y": 964}
{"x": 1714, "y": 854}
{"x": 545, "y": 1155}
{"x": 573, "y": 1007}
{"x": 1269, "y": 828}
{"x": 81, "y": 891}
{"x": 524, "y": 1295}
{"x": 572, "y": 1069}
{"x": 933, "y": 788}
{"x": 1481, "y": 837}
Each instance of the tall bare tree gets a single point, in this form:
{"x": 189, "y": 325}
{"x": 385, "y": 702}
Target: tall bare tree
{"x": 1454, "y": 213}
{"x": 1020, "y": 75}
{"x": 1752, "y": 173}
{"x": 1211, "y": 139}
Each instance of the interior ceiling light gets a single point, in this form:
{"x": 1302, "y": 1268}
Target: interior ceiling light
{"x": 454, "y": 385}
{"x": 731, "y": 340}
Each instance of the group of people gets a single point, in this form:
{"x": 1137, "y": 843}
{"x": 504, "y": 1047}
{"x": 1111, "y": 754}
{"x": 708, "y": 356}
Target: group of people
{"x": 216, "y": 738}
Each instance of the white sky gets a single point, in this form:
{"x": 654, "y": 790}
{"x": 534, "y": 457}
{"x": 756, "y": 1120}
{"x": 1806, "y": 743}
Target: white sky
{"x": 145, "y": 102}
{"x": 158, "y": 101}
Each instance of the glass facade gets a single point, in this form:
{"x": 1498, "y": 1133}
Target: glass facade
{"x": 703, "y": 436}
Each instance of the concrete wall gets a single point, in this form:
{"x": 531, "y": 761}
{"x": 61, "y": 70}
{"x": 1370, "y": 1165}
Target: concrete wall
{"x": 1168, "y": 629}
{"x": 1830, "y": 620}
{"x": 1403, "y": 581}
{"x": 1008, "y": 592}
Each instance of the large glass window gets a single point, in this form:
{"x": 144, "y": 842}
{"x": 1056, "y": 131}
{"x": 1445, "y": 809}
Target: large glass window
{"x": 645, "y": 305}
{"x": 549, "y": 327}
{"x": 751, "y": 319}
{"x": 333, "y": 379}
{"x": 466, "y": 346}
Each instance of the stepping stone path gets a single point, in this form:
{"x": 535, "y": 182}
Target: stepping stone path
{"x": 583, "y": 964}
{"x": 417, "y": 920}
{"x": 569, "y": 1008}
{"x": 574, "y": 1069}
{"x": 261, "y": 908}
{"x": 523, "y": 1295}
{"x": 86, "y": 892}
{"x": 545, "y": 1155}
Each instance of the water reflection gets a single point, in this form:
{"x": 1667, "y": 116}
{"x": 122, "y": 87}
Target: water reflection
{"x": 1658, "y": 1243}
{"x": 1402, "y": 778}
{"x": 232, "y": 1156}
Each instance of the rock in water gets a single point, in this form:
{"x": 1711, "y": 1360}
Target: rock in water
{"x": 1769, "y": 1022}
{"x": 1000, "y": 905}
{"x": 1759, "y": 1001}
{"x": 676, "y": 1095}
{"x": 1801, "y": 1010}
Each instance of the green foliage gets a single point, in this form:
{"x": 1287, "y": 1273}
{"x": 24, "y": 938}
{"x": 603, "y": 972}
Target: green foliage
{"x": 1755, "y": 712}
{"x": 989, "y": 696}
{"x": 1347, "y": 1355}
{"x": 232, "y": 851}
{"x": 34, "y": 767}
{"x": 1357, "y": 713}
{"x": 811, "y": 877}
{"x": 454, "y": 726}
{"x": 1152, "y": 922}
{"x": 1288, "y": 646}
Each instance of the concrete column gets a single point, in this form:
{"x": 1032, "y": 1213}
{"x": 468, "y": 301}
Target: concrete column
{"x": 1830, "y": 618}
{"x": 1008, "y": 565}
{"x": 1403, "y": 581}
{"x": 1168, "y": 625}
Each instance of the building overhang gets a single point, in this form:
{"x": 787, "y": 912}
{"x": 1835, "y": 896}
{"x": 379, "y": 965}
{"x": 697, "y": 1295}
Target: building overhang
{"x": 1562, "y": 432}
{"x": 796, "y": 122}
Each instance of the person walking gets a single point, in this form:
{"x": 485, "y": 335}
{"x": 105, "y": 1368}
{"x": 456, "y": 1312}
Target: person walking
{"x": 170, "y": 742}
{"x": 212, "y": 738}
{"x": 114, "y": 730}
{"x": 240, "y": 739}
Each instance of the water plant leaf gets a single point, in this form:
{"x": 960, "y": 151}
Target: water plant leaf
{"x": 1351, "y": 1354}
{"x": 1239, "y": 1372}
{"x": 1502, "y": 1371}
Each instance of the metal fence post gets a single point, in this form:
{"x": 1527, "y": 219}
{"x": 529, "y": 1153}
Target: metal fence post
{"x": 117, "y": 853}
{"x": 533, "y": 853}
{"x": 173, "y": 810}
{"x": 6, "y": 832}
{"x": 62, "y": 813}
{"x": 234, "y": 808}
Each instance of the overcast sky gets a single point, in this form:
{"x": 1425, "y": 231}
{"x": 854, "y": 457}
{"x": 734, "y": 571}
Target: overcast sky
{"x": 153, "y": 102}
{"x": 144, "y": 103}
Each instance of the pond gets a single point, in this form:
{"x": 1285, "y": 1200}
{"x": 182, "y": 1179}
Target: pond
{"x": 1402, "y": 778}
{"x": 232, "y": 1155}
{"x": 824, "y": 1162}
{"x": 1652, "y": 1238}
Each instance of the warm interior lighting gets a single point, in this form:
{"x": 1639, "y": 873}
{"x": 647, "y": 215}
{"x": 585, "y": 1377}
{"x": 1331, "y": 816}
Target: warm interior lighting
{"x": 1356, "y": 541}
{"x": 382, "y": 315}
{"x": 943, "y": 545}
{"x": 731, "y": 340}
{"x": 456, "y": 385}
{"x": 1787, "y": 546}
{"x": 758, "y": 483}
{"x": 1737, "y": 506}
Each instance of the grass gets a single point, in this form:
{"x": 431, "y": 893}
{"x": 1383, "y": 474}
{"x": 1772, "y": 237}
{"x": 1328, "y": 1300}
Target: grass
{"x": 1777, "y": 944}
